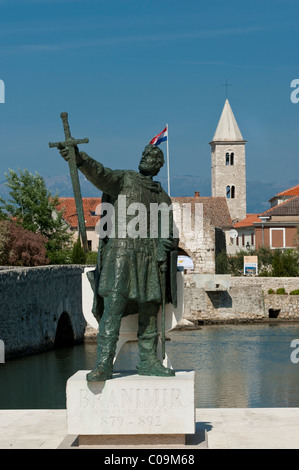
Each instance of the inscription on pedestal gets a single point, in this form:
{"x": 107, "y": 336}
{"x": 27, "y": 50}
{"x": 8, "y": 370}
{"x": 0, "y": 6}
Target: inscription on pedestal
{"x": 131, "y": 405}
{"x": 129, "y": 399}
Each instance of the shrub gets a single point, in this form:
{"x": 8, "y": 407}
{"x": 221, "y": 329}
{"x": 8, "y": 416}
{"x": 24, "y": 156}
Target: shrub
{"x": 294, "y": 292}
{"x": 63, "y": 256}
{"x": 78, "y": 253}
{"x": 271, "y": 291}
{"x": 221, "y": 263}
{"x": 281, "y": 291}
{"x": 91, "y": 257}
{"x": 285, "y": 263}
{"x": 21, "y": 247}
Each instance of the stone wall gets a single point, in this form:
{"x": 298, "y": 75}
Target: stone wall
{"x": 32, "y": 303}
{"x": 238, "y": 299}
{"x": 34, "y": 300}
{"x": 196, "y": 234}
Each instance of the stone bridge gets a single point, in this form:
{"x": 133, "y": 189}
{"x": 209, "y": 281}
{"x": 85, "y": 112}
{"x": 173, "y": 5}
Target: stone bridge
{"x": 40, "y": 308}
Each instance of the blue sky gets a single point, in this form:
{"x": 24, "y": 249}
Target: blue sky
{"x": 122, "y": 69}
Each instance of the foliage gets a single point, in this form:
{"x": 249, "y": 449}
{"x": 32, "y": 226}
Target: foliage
{"x": 285, "y": 263}
{"x": 271, "y": 291}
{"x": 221, "y": 263}
{"x": 294, "y": 292}
{"x": 274, "y": 263}
{"x": 63, "y": 256}
{"x": 21, "y": 247}
{"x": 78, "y": 253}
{"x": 34, "y": 207}
{"x": 91, "y": 257}
{"x": 234, "y": 264}
{"x": 281, "y": 291}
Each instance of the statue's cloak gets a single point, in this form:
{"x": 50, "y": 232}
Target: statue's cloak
{"x": 129, "y": 266}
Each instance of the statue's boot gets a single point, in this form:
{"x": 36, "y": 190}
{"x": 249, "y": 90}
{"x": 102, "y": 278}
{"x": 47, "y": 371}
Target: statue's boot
{"x": 149, "y": 364}
{"x": 107, "y": 338}
{"x": 104, "y": 367}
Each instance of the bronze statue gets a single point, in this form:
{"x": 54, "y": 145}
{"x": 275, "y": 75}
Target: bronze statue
{"x": 133, "y": 274}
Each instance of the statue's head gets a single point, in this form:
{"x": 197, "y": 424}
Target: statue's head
{"x": 151, "y": 161}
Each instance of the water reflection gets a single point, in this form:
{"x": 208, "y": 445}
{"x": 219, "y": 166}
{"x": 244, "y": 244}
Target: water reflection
{"x": 236, "y": 366}
{"x": 241, "y": 366}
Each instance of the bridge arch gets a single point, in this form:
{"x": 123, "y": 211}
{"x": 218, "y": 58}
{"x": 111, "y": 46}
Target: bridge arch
{"x": 64, "y": 332}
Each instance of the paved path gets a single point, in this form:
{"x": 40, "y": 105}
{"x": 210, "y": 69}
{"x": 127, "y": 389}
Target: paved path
{"x": 226, "y": 428}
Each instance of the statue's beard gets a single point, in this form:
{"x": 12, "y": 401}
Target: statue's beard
{"x": 147, "y": 170}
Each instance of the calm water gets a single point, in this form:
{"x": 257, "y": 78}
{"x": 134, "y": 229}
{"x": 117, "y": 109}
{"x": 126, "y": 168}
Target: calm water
{"x": 236, "y": 366}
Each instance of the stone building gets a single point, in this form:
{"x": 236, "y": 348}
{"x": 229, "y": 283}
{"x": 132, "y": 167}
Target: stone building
{"x": 277, "y": 227}
{"x": 206, "y": 235}
{"x": 243, "y": 235}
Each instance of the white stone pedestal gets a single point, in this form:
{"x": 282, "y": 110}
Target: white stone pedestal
{"x": 131, "y": 405}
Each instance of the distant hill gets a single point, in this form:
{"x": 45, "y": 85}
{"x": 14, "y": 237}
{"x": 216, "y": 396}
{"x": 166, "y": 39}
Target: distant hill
{"x": 258, "y": 192}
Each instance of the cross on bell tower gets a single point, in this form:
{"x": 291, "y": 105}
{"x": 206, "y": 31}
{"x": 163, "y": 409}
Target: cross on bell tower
{"x": 226, "y": 84}
{"x": 228, "y": 164}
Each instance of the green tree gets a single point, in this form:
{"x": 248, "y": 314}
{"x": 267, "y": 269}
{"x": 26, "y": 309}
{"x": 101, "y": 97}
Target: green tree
{"x": 78, "y": 253}
{"x": 285, "y": 264}
{"x": 222, "y": 263}
{"x": 33, "y": 206}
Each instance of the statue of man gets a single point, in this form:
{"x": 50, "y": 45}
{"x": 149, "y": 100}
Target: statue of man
{"x": 127, "y": 278}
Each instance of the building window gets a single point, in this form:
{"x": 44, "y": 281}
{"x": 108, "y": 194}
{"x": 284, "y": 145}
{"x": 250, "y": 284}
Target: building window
{"x": 277, "y": 237}
{"x": 229, "y": 158}
{"x": 230, "y": 192}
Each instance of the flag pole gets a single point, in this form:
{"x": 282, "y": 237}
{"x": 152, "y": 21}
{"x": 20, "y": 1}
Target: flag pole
{"x": 168, "y": 161}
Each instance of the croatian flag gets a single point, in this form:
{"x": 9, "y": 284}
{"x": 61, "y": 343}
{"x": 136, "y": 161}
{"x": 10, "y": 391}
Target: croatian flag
{"x": 162, "y": 137}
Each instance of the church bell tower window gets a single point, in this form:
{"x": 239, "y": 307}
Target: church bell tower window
{"x": 230, "y": 192}
{"x": 229, "y": 158}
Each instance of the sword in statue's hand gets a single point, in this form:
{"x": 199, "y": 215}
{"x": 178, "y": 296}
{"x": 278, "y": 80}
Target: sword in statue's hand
{"x": 71, "y": 143}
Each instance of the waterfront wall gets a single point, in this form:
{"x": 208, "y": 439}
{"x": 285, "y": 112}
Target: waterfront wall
{"x": 238, "y": 299}
{"x": 38, "y": 306}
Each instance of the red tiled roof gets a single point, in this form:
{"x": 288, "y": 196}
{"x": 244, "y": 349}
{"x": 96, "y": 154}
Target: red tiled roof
{"x": 288, "y": 207}
{"x": 248, "y": 221}
{"x": 214, "y": 208}
{"x": 89, "y": 207}
{"x": 294, "y": 191}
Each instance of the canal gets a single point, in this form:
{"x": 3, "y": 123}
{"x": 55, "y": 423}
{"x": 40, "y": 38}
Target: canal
{"x": 237, "y": 366}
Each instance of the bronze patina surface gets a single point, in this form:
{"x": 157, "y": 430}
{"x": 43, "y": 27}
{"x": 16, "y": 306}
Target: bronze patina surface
{"x": 133, "y": 274}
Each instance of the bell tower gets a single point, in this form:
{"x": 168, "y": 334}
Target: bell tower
{"x": 228, "y": 164}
